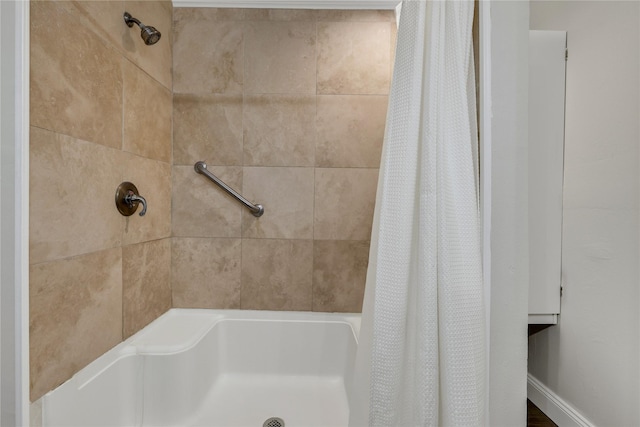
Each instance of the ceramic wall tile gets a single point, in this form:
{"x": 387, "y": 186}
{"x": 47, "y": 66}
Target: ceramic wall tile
{"x": 280, "y": 15}
{"x": 147, "y": 115}
{"x": 76, "y": 78}
{"x": 394, "y": 42}
{"x": 344, "y": 203}
{"x": 206, "y": 273}
{"x": 342, "y": 15}
{"x": 207, "y": 57}
{"x": 72, "y": 209}
{"x": 75, "y": 315}
{"x": 207, "y": 128}
{"x": 200, "y": 208}
{"x": 279, "y": 130}
{"x": 350, "y": 130}
{"x": 287, "y": 197}
{"x": 339, "y": 275}
{"x": 312, "y": 119}
{"x": 105, "y": 18}
{"x": 354, "y": 58}
{"x": 249, "y": 14}
{"x": 276, "y": 274}
{"x": 146, "y": 284}
{"x": 153, "y": 181}
{"x": 280, "y": 57}
{"x": 184, "y": 15}
{"x": 83, "y": 59}
{"x": 156, "y": 59}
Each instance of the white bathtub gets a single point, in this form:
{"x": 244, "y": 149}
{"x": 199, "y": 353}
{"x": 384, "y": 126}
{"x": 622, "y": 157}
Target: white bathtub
{"x": 217, "y": 368}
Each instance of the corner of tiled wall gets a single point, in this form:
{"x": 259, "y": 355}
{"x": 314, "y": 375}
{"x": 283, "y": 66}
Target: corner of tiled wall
{"x": 101, "y": 113}
{"x": 288, "y": 107}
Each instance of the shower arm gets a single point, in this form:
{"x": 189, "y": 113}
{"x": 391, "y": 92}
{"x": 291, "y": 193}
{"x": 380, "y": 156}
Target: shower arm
{"x": 130, "y": 20}
{"x": 256, "y": 210}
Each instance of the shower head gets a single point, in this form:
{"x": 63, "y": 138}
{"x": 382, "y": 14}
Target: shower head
{"x": 148, "y": 33}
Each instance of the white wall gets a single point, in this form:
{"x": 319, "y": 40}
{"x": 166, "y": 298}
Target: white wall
{"x": 591, "y": 358}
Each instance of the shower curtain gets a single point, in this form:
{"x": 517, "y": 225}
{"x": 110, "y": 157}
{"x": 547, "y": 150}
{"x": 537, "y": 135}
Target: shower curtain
{"x": 421, "y": 354}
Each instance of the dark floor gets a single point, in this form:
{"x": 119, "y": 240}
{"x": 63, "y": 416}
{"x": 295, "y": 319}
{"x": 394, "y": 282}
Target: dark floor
{"x": 537, "y": 418}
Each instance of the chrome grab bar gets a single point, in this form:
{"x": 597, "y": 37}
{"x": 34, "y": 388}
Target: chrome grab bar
{"x": 256, "y": 210}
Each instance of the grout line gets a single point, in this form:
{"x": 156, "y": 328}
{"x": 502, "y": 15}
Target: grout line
{"x": 315, "y": 167}
{"x": 242, "y": 125}
{"x": 260, "y": 238}
{"x": 171, "y": 266}
{"x": 120, "y": 246}
{"x": 241, "y": 263}
{"x": 155, "y": 80}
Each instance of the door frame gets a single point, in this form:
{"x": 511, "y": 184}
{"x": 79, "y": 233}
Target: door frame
{"x": 14, "y": 213}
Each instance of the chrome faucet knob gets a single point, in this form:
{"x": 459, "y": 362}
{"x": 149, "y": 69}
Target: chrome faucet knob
{"x": 128, "y": 199}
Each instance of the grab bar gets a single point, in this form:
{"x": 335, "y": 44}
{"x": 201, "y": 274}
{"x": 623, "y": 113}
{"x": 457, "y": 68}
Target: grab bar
{"x": 256, "y": 210}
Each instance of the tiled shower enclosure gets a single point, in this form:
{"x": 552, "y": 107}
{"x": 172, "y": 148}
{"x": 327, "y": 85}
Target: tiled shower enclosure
{"x": 286, "y": 106}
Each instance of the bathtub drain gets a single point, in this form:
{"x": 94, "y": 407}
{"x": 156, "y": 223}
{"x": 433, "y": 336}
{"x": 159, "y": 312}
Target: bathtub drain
{"x": 273, "y": 422}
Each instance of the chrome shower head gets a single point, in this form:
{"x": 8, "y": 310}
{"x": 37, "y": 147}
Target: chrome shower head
{"x": 148, "y": 33}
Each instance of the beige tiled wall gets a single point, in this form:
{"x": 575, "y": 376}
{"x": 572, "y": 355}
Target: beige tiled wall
{"x": 101, "y": 109}
{"x": 288, "y": 107}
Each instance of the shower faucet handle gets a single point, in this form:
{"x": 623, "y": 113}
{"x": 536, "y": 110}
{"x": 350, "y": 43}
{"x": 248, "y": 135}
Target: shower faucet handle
{"x": 128, "y": 199}
{"x": 133, "y": 199}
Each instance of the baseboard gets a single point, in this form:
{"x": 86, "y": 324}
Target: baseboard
{"x": 554, "y": 407}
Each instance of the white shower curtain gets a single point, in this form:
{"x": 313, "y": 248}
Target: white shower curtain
{"x": 421, "y": 355}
